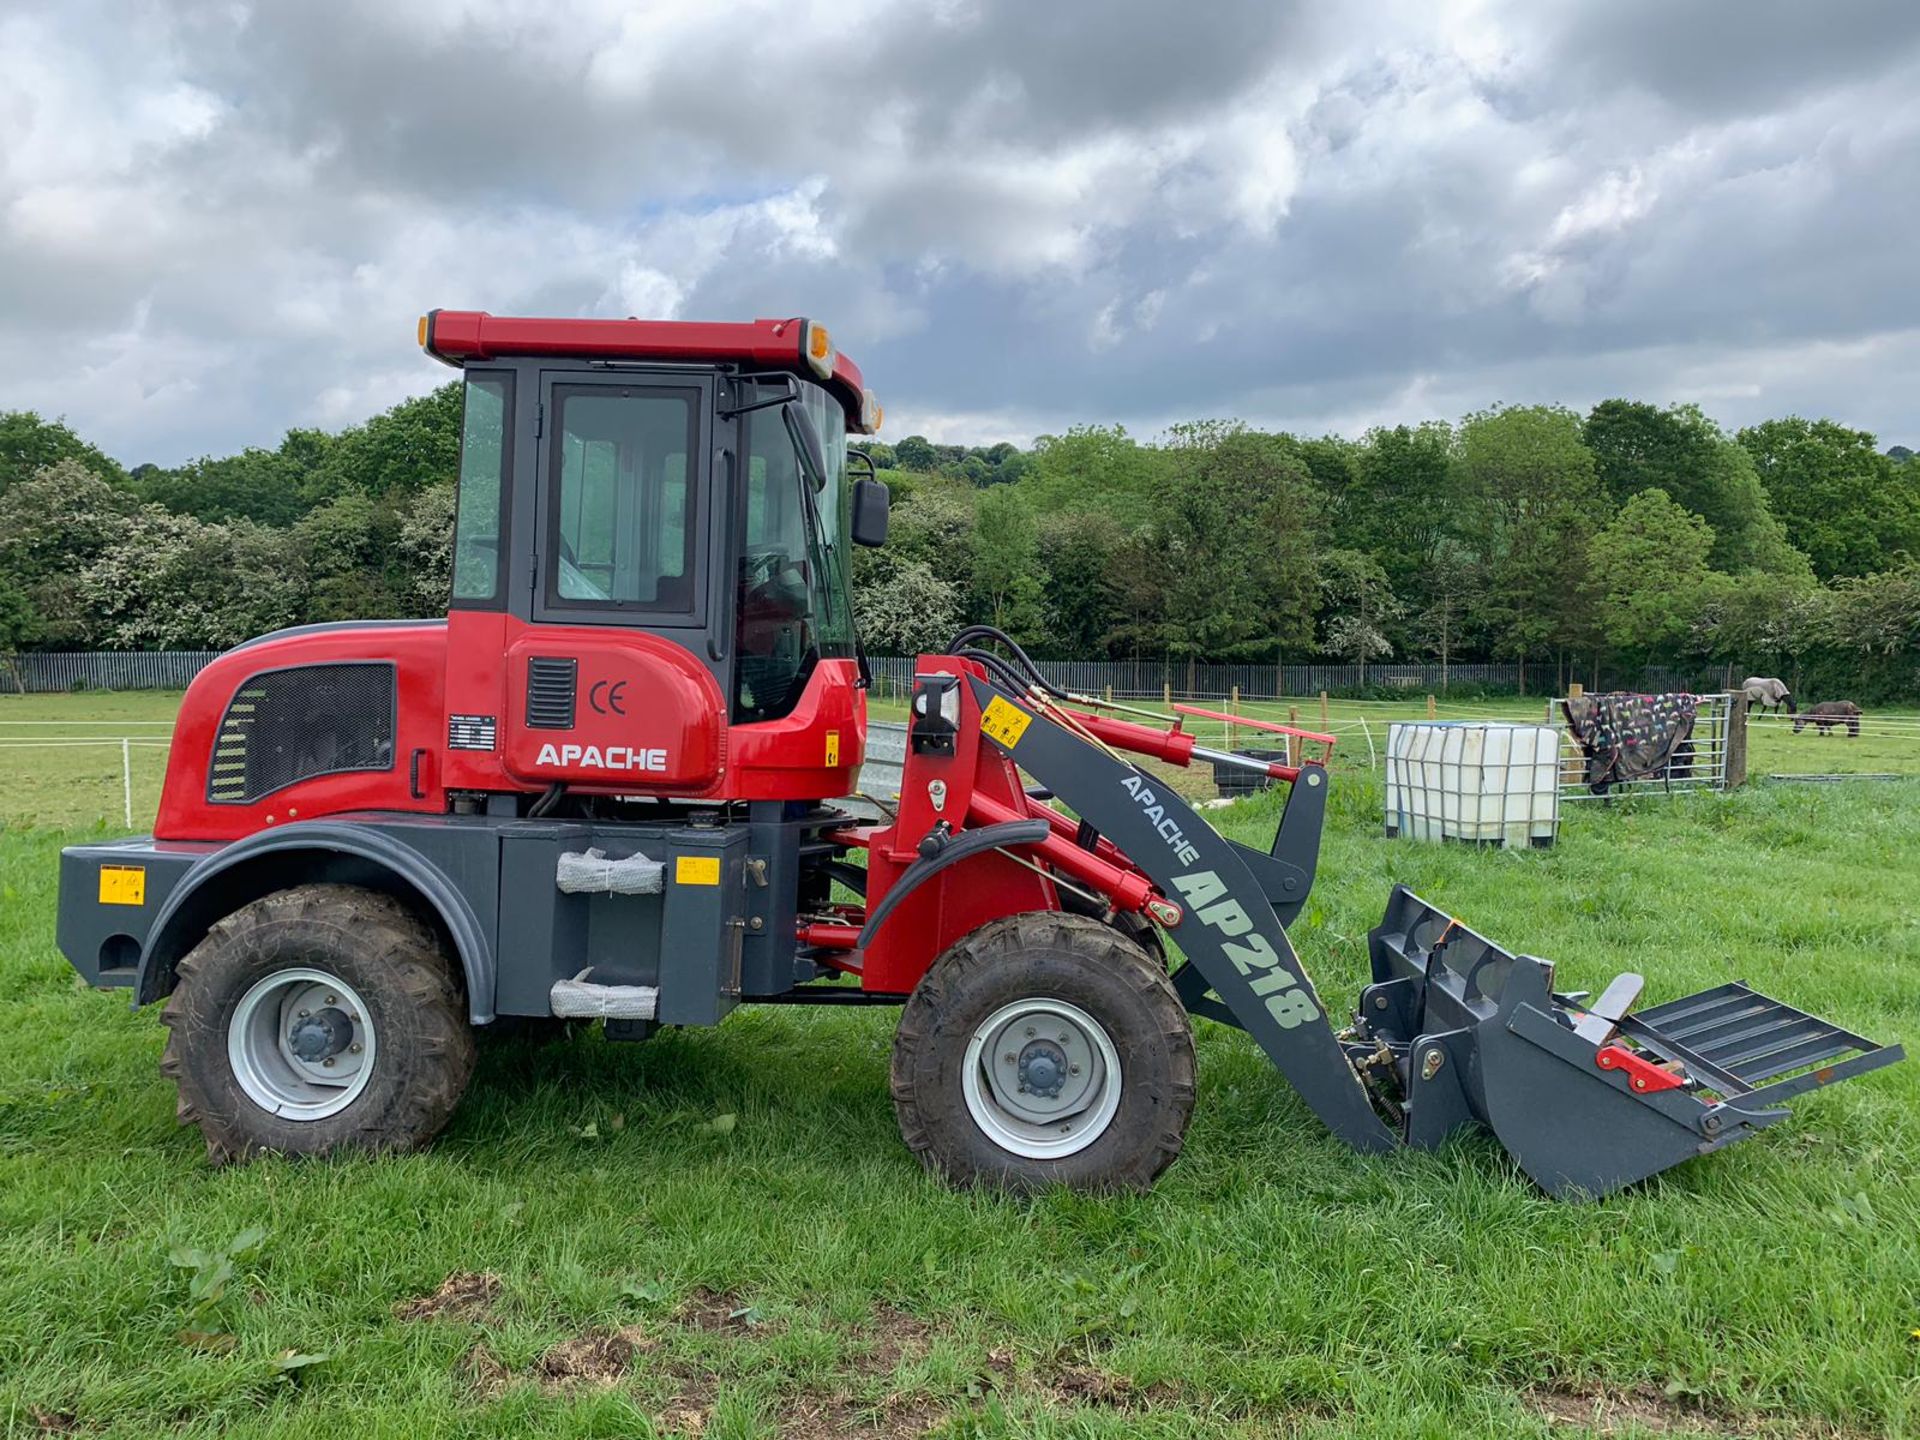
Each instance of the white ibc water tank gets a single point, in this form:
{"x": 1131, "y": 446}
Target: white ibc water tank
{"x": 1485, "y": 783}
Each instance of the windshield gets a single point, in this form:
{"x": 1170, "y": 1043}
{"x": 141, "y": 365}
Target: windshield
{"x": 793, "y": 606}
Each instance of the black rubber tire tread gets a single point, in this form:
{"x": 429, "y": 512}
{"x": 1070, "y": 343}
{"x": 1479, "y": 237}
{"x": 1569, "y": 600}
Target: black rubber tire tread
{"x": 374, "y": 943}
{"x": 1063, "y": 957}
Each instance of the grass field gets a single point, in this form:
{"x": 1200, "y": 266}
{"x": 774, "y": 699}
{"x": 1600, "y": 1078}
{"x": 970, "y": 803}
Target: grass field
{"x": 719, "y": 1232}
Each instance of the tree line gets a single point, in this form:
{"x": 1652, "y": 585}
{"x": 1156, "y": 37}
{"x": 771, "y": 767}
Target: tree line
{"x": 1582, "y": 546}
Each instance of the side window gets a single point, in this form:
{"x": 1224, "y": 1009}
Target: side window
{"x": 620, "y": 528}
{"x": 484, "y": 456}
{"x": 775, "y": 641}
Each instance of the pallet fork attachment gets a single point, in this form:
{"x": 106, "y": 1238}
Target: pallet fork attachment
{"x": 1453, "y": 1030}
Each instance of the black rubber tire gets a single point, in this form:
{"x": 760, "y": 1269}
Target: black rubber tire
{"x": 1062, "y": 957}
{"x": 375, "y": 944}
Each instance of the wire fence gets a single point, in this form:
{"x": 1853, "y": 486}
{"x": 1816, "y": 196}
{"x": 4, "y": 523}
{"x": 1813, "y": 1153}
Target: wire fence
{"x": 1137, "y": 679}
{"x": 126, "y": 745}
{"x": 55, "y": 672}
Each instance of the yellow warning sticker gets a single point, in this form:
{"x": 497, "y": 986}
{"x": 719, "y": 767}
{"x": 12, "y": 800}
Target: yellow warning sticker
{"x": 833, "y": 748}
{"x": 1004, "y": 722}
{"x": 696, "y": 870}
{"x": 123, "y": 884}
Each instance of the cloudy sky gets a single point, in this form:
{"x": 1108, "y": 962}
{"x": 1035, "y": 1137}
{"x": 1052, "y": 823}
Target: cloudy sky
{"x": 219, "y": 220}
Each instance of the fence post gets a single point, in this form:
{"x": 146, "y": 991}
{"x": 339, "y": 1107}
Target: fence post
{"x": 126, "y": 776}
{"x": 1733, "y": 744}
{"x": 1108, "y": 692}
{"x": 1433, "y": 710}
{"x": 1325, "y": 722}
{"x": 1233, "y": 708}
{"x": 1166, "y": 693}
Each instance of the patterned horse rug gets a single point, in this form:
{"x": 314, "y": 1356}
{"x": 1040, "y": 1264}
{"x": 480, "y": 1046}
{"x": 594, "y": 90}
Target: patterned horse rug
{"x": 1633, "y": 737}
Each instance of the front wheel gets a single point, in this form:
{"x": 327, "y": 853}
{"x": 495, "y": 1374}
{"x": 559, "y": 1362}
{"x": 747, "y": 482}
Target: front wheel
{"x": 1045, "y": 1049}
{"x": 317, "y": 1019}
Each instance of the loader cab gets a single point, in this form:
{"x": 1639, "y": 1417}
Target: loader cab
{"x": 702, "y": 497}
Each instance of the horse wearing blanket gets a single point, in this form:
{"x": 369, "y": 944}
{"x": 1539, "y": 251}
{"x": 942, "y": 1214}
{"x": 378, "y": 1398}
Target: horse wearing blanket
{"x": 1765, "y": 693}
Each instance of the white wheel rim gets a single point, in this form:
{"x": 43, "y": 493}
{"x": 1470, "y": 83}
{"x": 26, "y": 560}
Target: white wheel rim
{"x": 298, "y": 1008}
{"x": 1053, "y": 1043}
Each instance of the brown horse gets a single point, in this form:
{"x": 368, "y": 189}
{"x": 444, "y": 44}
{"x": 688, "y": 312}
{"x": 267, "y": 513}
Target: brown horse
{"x": 1829, "y": 713}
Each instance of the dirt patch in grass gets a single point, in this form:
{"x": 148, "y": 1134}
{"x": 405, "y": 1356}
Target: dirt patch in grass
{"x": 483, "y": 1372}
{"x": 1646, "y": 1411}
{"x": 591, "y": 1359}
{"x": 817, "y": 1417}
{"x": 716, "y": 1312}
{"x": 463, "y": 1295}
{"x": 891, "y": 1336}
{"x": 53, "y": 1422}
{"x": 1090, "y": 1385}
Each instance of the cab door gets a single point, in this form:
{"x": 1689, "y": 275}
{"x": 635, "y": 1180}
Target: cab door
{"x": 623, "y": 501}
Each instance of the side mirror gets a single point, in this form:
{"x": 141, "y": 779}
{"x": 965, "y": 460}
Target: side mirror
{"x": 806, "y": 435}
{"x": 870, "y": 500}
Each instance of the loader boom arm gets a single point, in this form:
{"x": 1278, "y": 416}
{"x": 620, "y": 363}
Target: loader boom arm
{"x": 1227, "y": 927}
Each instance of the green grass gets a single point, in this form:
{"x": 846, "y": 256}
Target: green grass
{"x": 1274, "y": 1283}
{"x": 60, "y": 756}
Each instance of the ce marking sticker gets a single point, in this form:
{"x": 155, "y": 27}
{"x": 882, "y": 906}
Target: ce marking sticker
{"x": 607, "y": 697}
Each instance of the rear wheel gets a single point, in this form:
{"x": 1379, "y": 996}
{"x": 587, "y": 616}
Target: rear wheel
{"x": 317, "y": 1019}
{"x": 1045, "y": 1049}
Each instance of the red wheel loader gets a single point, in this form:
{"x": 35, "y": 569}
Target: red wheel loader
{"x": 604, "y": 787}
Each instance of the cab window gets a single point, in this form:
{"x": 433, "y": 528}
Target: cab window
{"x": 620, "y": 528}
{"x": 484, "y": 454}
{"x": 792, "y": 605}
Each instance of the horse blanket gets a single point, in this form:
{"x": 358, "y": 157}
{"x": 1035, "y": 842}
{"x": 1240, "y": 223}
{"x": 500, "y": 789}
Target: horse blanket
{"x": 1633, "y": 737}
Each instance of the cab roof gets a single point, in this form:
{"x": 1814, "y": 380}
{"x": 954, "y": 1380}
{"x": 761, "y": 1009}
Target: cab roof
{"x": 799, "y": 346}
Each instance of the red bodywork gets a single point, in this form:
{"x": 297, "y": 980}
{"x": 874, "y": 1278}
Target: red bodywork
{"x": 457, "y": 336}
{"x": 983, "y": 787}
{"x": 473, "y": 663}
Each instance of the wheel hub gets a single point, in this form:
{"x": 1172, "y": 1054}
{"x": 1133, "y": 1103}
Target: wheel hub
{"x": 1043, "y": 1069}
{"x": 301, "y": 1043}
{"x": 1042, "y": 1078}
{"x": 320, "y": 1035}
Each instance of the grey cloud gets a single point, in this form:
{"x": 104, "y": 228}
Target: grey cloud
{"x": 1749, "y": 57}
{"x": 1014, "y": 214}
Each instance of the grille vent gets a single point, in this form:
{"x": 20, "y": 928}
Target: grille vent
{"x": 289, "y": 725}
{"x": 551, "y": 682}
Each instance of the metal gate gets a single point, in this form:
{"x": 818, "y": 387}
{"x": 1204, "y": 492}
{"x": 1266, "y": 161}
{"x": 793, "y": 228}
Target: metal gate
{"x": 1713, "y": 759}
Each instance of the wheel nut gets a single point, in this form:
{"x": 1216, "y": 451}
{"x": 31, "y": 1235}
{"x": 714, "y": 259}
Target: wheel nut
{"x": 1012, "y": 1058}
{"x": 305, "y": 1013}
{"x": 354, "y": 1048}
{"x": 333, "y": 999}
{"x": 1073, "y": 1069}
{"x": 1029, "y": 1032}
{"x": 328, "y": 1062}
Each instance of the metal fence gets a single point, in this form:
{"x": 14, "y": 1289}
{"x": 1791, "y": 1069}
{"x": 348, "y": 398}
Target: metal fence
{"x": 1713, "y": 758}
{"x": 39, "y": 672}
{"x": 893, "y": 675}
{"x": 43, "y": 672}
